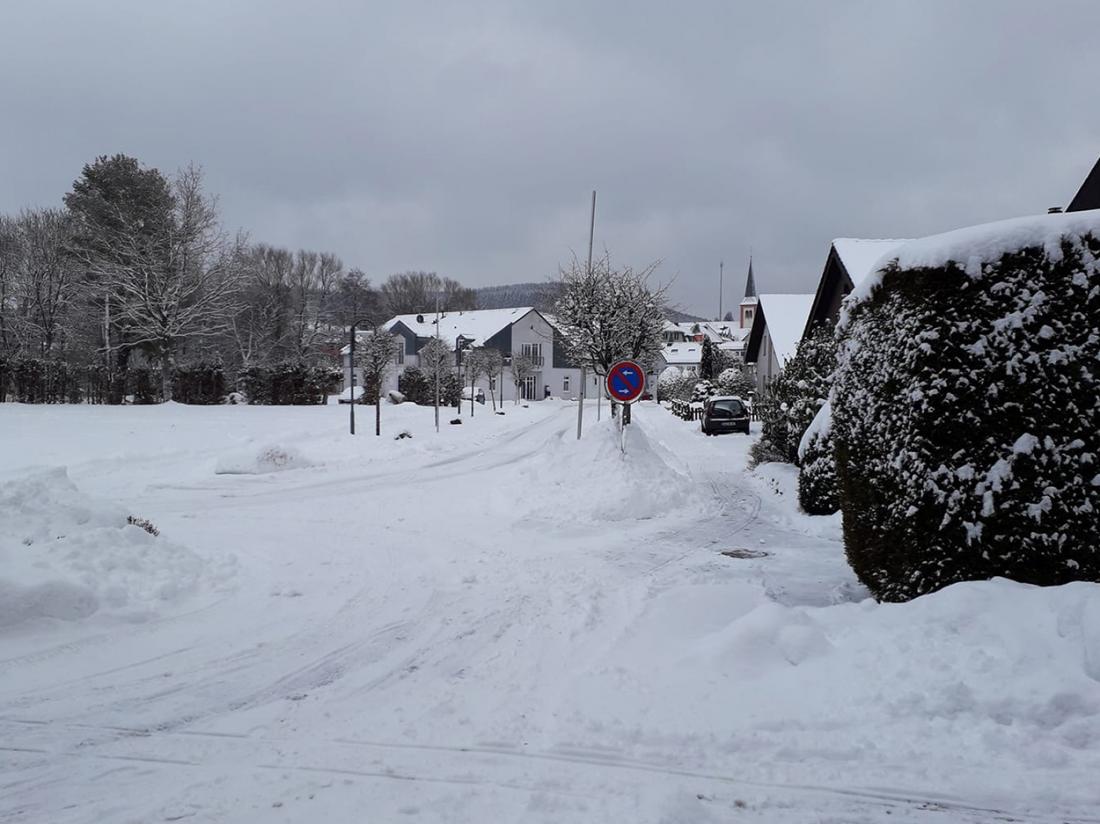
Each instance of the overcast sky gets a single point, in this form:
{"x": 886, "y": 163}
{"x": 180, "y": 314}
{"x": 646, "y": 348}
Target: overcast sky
{"x": 466, "y": 137}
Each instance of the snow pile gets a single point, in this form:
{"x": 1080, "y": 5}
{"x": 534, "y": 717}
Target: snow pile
{"x": 592, "y": 479}
{"x": 66, "y": 556}
{"x": 266, "y": 459}
{"x": 953, "y": 690}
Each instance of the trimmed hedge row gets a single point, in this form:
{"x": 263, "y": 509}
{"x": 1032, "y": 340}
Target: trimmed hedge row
{"x": 47, "y": 381}
{"x": 966, "y": 421}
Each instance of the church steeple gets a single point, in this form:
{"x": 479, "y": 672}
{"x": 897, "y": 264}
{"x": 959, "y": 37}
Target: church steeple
{"x": 748, "y": 303}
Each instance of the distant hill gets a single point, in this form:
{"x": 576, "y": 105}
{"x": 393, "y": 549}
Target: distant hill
{"x": 541, "y": 296}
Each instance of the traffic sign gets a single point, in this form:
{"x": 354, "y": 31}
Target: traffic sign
{"x": 625, "y": 382}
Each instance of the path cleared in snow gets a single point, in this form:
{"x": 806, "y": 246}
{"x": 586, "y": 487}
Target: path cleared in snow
{"x": 498, "y": 623}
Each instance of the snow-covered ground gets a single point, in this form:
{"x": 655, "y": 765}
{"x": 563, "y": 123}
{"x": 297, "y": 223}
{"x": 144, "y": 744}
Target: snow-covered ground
{"x": 495, "y": 623}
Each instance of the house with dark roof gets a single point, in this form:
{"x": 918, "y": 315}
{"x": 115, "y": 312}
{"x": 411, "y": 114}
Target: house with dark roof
{"x": 1088, "y": 196}
{"x": 849, "y": 261}
{"x": 516, "y": 331}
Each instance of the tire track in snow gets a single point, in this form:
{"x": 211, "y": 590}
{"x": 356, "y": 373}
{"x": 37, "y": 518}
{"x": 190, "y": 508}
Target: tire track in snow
{"x": 569, "y": 757}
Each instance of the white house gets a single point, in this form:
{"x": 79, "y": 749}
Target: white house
{"x": 522, "y": 330}
{"x": 776, "y": 330}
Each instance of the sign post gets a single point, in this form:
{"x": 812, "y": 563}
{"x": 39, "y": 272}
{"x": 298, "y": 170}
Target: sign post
{"x": 625, "y": 383}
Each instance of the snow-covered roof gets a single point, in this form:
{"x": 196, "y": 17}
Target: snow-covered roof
{"x": 860, "y": 255}
{"x": 676, "y": 353}
{"x": 477, "y": 325}
{"x": 973, "y": 246}
{"x": 716, "y": 330}
{"x": 785, "y": 317}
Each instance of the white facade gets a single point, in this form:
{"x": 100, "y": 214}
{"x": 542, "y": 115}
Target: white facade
{"x": 783, "y": 317}
{"x": 520, "y": 331}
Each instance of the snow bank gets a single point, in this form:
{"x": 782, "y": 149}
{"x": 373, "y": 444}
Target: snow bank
{"x": 954, "y": 690}
{"x": 974, "y": 246}
{"x": 593, "y": 480}
{"x": 66, "y": 556}
{"x": 271, "y": 458}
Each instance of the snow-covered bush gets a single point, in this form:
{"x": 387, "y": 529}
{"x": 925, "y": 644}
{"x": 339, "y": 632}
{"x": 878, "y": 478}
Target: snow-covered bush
{"x": 734, "y": 381}
{"x": 818, "y": 493}
{"x": 702, "y": 390}
{"x": 667, "y": 381}
{"x": 965, "y": 412}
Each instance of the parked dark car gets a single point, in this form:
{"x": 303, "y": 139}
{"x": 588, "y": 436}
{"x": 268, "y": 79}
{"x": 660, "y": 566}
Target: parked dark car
{"x": 725, "y": 413}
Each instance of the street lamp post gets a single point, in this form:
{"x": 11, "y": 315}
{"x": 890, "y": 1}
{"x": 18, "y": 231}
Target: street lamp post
{"x": 351, "y": 376}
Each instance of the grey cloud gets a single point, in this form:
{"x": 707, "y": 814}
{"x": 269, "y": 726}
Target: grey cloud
{"x": 466, "y": 137}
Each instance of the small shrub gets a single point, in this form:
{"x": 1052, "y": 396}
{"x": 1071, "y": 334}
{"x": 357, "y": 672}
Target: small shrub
{"x": 818, "y": 492}
{"x": 142, "y": 523}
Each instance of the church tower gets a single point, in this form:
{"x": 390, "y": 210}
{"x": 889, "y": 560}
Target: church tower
{"x": 748, "y": 303}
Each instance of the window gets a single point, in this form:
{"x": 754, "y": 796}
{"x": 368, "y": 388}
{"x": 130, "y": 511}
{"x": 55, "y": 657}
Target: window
{"x": 533, "y": 351}
{"x": 399, "y": 357}
{"x": 727, "y": 409}
{"x": 529, "y": 388}
{"x": 492, "y": 383}
{"x": 748, "y": 314}
{"x": 565, "y": 384}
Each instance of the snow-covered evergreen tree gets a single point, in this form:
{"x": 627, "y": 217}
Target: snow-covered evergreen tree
{"x": 789, "y": 402}
{"x": 818, "y": 491}
{"x": 706, "y": 361}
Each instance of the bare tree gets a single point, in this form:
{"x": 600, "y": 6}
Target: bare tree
{"x": 376, "y": 356}
{"x": 436, "y": 362}
{"x": 176, "y": 282}
{"x": 416, "y": 292}
{"x": 474, "y": 365}
{"x": 494, "y": 368}
{"x": 11, "y": 264}
{"x": 606, "y": 314}
{"x": 523, "y": 367}
{"x": 50, "y": 274}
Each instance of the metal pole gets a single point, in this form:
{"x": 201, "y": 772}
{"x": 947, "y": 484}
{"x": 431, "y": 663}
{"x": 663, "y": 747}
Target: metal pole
{"x": 437, "y": 363}
{"x": 622, "y": 430}
{"x": 584, "y": 371}
{"x": 721, "y": 266}
{"x": 351, "y": 378}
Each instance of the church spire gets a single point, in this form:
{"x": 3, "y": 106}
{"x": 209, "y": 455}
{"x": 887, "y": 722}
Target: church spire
{"x": 750, "y": 285}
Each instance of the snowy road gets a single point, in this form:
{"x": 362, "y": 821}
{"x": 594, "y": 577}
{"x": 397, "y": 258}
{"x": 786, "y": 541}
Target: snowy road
{"x": 501, "y": 624}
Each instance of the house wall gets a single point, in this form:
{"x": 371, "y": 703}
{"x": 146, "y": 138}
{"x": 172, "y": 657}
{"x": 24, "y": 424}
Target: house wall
{"x": 555, "y": 372}
{"x": 767, "y": 364}
{"x": 532, "y": 329}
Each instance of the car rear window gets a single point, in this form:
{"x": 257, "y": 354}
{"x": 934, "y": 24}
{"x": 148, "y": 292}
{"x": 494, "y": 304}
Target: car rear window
{"x": 727, "y": 409}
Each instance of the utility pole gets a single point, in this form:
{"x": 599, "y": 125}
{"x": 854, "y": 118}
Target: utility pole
{"x": 721, "y": 281}
{"x": 437, "y": 364}
{"x": 584, "y": 372}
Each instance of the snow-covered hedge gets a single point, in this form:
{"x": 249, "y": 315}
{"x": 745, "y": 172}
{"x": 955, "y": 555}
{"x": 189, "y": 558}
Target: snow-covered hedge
{"x": 818, "y": 493}
{"x": 789, "y": 403}
{"x": 966, "y": 412}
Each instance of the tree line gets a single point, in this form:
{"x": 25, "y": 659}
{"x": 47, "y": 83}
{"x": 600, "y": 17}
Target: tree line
{"x": 135, "y": 271}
